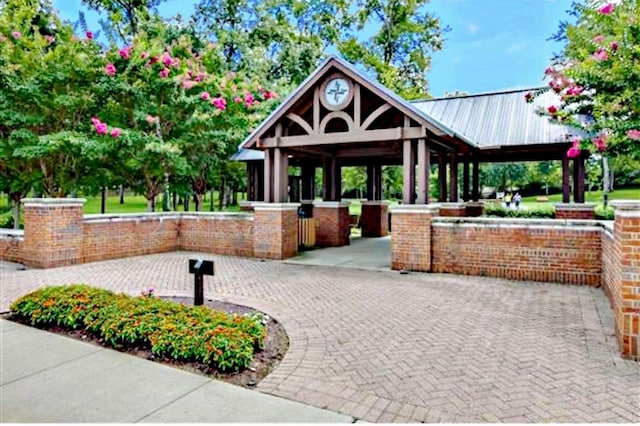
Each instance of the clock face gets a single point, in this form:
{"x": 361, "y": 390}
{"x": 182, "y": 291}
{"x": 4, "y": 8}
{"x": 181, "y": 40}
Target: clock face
{"x": 336, "y": 92}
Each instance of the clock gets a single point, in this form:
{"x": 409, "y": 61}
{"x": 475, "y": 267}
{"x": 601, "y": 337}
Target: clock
{"x": 336, "y": 92}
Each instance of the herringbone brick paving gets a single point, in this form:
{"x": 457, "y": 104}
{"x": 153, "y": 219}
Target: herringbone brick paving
{"x": 385, "y": 347}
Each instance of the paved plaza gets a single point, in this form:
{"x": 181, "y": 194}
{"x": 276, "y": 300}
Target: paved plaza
{"x": 386, "y": 347}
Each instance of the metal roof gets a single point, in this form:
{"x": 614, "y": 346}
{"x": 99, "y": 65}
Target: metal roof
{"x": 491, "y": 120}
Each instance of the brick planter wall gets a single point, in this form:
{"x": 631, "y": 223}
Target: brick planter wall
{"x": 453, "y": 210}
{"x": 625, "y": 287}
{"x": 584, "y": 211}
{"x": 332, "y": 223}
{"x": 474, "y": 208}
{"x": 520, "y": 249}
{"x": 53, "y": 231}
{"x": 11, "y": 245}
{"x": 374, "y": 220}
{"x": 411, "y": 237}
{"x": 275, "y": 230}
{"x": 116, "y": 236}
{"x": 218, "y": 233}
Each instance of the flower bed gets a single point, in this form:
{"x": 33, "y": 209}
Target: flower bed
{"x": 169, "y": 330}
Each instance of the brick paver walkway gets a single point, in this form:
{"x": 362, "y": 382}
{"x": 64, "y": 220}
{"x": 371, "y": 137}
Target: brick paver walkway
{"x": 386, "y": 347}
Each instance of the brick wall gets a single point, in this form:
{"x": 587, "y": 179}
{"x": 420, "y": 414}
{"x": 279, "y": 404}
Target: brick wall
{"x": 520, "y": 249}
{"x": 411, "y": 237}
{"x": 218, "y": 233}
{"x": 585, "y": 211}
{"x": 275, "y": 230}
{"x": 453, "y": 210}
{"x": 11, "y": 245}
{"x": 374, "y": 220}
{"x": 332, "y": 223}
{"x": 627, "y": 306}
{"x": 610, "y": 266}
{"x": 115, "y": 236}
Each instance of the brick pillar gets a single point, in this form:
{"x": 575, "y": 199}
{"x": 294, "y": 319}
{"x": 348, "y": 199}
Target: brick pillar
{"x": 474, "y": 208}
{"x": 627, "y": 302}
{"x": 575, "y": 211}
{"x": 411, "y": 236}
{"x": 453, "y": 209}
{"x": 374, "y": 220}
{"x": 332, "y": 223}
{"x": 275, "y": 230}
{"x": 53, "y": 231}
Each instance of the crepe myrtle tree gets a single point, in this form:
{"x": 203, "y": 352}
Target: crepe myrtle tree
{"x": 166, "y": 107}
{"x": 597, "y": 75}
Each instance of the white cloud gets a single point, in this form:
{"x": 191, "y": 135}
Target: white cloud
{"x": 473, "y": 28}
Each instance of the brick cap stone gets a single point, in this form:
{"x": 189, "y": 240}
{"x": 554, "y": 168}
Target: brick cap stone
{"x": 416, "y": 208}
{"x": 12, "y": 233}
{"x": 275, "y": 206}
{"x": 452, "y": 205}
{"x": 331, "y": 204}
{"x": 375, "y": 203}
{"x": 626, "y": 208}
{"x": 28, "y": 202}
{"x": 474, "y": 203}
{"x": 519, "y": 222}
{"x": 575, "y": 206}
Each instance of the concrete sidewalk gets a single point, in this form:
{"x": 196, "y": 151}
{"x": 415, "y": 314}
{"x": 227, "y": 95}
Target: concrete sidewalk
{"x": 50, "y": 378}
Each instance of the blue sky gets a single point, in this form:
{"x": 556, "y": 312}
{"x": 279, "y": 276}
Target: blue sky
{"x": 493, "y": 44}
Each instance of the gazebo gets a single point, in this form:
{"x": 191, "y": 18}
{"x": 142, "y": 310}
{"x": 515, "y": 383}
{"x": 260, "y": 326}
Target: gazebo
{"x": 339, "y": 117}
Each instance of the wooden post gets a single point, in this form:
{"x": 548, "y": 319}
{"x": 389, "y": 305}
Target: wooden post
{"x": 377, "y": 182}
{"x": 453, "y": 177}
{"x": 280, "y": 176}
{"x": 566, "y": 185}
{"x": 465, "y": 178}
{"x": 268, "y": 175}
{"x": 423, "y": 172}
{"x": 578, "y": 179}
{"x": 370, "y": 184}
{"x": 308, "y": 181}
{"x": 408, "y": 173}
{"x": 336, "y": 177}
{"x": 442, "y": 177}
{"x": 476, "y": 177}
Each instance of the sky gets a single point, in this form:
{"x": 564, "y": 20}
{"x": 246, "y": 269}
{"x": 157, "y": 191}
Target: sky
{"x": 493, "y": 45}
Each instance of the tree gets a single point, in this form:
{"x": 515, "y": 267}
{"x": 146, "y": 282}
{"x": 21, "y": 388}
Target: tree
{"x": 124, "y": 16}
{"x": 597, "y": 77}
{"x": 399, "y": 52}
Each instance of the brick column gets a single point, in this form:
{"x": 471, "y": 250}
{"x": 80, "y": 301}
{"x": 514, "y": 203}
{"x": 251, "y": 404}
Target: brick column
{"x": 275, "y": 230}
{"x": 332, "y": 223}
{"x": 453, "y": 209}
{"x": 53, "y": 231}
{"x": 374, "y": 220}
{"x": 474, "y": 208}
{"x": 627, "y": 302}
{"x": 411, "y": 236}
{"x": 575, "y": 211}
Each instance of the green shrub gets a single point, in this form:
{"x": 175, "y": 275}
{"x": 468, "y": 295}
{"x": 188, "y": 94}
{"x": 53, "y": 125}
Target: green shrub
{"x": 497, "y": 210}
{"x": 604, "y": 214}
{"x": 6, "y": 221}
{"x": 170, "y": 330}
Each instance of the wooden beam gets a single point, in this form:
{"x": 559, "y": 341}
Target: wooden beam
{"x": 381, "y": 135}
{"x": 375, "y": 114}
{"x": 316, "y": 110}
{"x": 301, "y": 122}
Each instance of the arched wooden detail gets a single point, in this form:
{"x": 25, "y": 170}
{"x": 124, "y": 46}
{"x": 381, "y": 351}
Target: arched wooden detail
{"x": 336, "y": 114}
{"x": 301, "y": 122}
{"x": 375, "y": 114}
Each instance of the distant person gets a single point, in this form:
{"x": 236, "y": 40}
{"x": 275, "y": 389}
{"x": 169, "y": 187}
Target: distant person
{"x": 516, "y": 200}
{"x": 507, "y": 200}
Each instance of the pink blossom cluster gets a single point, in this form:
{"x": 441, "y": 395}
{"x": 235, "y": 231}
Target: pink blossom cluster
{"x": 102, "y": 129}
{"x": 110, "y": 69}
{"x": 600, "y": 141}
{"x": 634, "y": 134}
{"x": 89, "y": 35}
{"x": 151, "y": 119}
{"x": 125, "y": 52}
{"x": 607, "y": 9}
{"x": 219, "y": 103}
{"x": 575, "y": 150}
{"x": 16, "y": 34}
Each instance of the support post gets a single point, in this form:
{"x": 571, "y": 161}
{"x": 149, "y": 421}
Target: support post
{"x": 453, "y": 177}
{"x": 566, "y": 185}
{"x": 578, "y": 179}
{"x": 408, "y": 173}
{"x": 308, "y": 182}
{"x": 476, "y": 177}
{"x": 442, "y": 177}
{"x": 465, "y": 178}
{"x": 268, "y": 175}
{"x": 424, "y": 166}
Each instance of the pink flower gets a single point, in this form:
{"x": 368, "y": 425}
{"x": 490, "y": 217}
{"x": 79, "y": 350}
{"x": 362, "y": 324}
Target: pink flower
{"x": 634, "y": 134}
{"x": 125, "y": 52}
{"x": 549, "y": 71}
{"x": 598, "y": 39}
{"x": 95, "y": 121}
{"x": 574, "y": 90}
{"x": 248, "y": 99}
{"x": 16, "y": 34}
{"x": 151, "y": 119}
{"x": 110, "y": 69}
{"x": 574, "y": 151}
{"x": 607, "y": 9}
{"x": 101, "y": 128}
{"x": 600, "y": 142}
{"x": 164, "y": 73}
{"x": 50, "y": 39}
{"x": 600, "y": 55}
{"x": 205, "y": 96}
{"x": 528, "y": 97}
{"x": 188, "y": 84}
{"x": 144, "y": 55}
{"x": 167, "y": 60}
{"x": 219, "y": 103}
{"x": 614, "y": 45}
{"x": 115, "y": 133}
{"x": 199, "y": 77}
{"x": 552, "y": 109}
{"x": 89, "y": 35}
{"x": 268, "y": 94}
{"x": 237, "y": 99}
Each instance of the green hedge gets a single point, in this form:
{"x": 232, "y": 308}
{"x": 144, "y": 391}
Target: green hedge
{"x": 497, "y": 210}
{"x": 604, "y": 214}
{"x": 170, "y": 330}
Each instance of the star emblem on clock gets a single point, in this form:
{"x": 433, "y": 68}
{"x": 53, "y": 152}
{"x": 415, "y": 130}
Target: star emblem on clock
{"x": 336, "y": 92}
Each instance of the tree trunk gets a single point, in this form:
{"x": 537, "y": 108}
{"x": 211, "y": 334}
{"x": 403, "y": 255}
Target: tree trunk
{"x": 211, "y": 201}
{"x": 186, "y": 202}
{"x": 175, "y": 202}
{"x": 150, "y": 204}
{"x": 221, "y": 195}
{"x": 16, "y": 214}
{"x": 606, "y": 181}
{"x": 103, "y": 199}
{"x": 121, "y": 194}
{"x": 234, "y": 197}
{"x": 197, "y": 200}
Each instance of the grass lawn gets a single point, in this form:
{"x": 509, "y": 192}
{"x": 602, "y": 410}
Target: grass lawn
{"x": 138, "y": 204}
